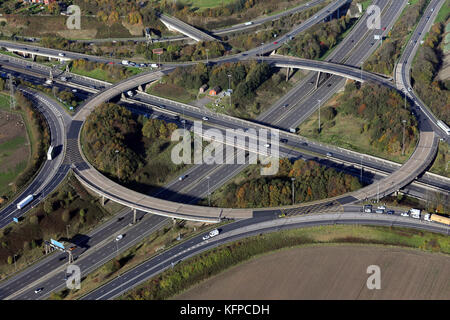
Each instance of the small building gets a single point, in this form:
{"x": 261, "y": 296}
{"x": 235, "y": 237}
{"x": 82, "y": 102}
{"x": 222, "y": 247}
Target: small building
{"x": 203, "y": 88}
{"x": 214, "y": 91}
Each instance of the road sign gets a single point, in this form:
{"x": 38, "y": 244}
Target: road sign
{"x": 158, "y": 51}
{"x": 58, "y": 244}
{"x": 16, "y": 220}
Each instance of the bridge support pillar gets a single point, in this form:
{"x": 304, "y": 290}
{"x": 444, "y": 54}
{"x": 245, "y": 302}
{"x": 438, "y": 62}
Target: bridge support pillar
{"x": 134, "y": 215}
{"x": 103, "y": 201}
{"x": 318, "y": 79}
{"x": 140, "y": 88}
{"x": 122, "y": 96}
{"x": 287, "y": 73}
{"x": 174, "y": 220}
{"x": 147, "y": 86}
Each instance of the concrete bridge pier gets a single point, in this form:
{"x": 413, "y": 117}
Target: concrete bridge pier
{"x": 140, "y": 88}
{"x": 103, "y": 201}
{"x": 288, "y": 71}
{"x": 134, "y": 215}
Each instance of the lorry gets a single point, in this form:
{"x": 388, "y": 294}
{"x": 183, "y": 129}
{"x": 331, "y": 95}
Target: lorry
{"x": 426, "y": 217}
{"x": 440, "y": 219}
{"x": 50, "y": 153}
{"x": 415, "y": 213}
{"x": 25, "y": 201}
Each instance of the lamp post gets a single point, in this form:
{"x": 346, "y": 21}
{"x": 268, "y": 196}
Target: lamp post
{"x": 15, "y": 265}
{"x": 293, "y": 190}
{"x": 67, "y": 230}
{"x": 117, "y": 163}
{"x": 403, "y": 139}
{"x": 319, "y": 114}
{"x": 229, "y": 87}
{"x": 260, "y": 51}
{"x": 361, "y": 170}
{"x": 209, "y": 194}
{"x": 207, "y": 50}
{"x": 405, "y": 99}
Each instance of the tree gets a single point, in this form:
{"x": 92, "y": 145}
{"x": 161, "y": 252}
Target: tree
{"x": 10, "y": 260}
{"x": 66, "y": 215}
{"x": 48, "y": 206}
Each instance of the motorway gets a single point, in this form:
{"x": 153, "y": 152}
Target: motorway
{"x": 125, "y": 237}
{"x": 233, "y": 232}
{"x": 52, "y": 171}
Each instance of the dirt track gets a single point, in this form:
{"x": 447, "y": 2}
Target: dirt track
{"x": 331, "y": 272}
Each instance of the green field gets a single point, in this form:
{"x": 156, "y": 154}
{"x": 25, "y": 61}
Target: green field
{"x": 103, "y": 75}
{"x": 443, "y": 13}
{"x": 345, "y": 131}
{"x": 205, "y": 4}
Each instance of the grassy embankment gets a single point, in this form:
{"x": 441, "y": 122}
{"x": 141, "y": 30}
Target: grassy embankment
{"x": 69, "y": 210}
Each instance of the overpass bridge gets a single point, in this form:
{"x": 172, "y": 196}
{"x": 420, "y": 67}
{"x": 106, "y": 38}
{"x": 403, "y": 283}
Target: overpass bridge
{"x": 27, "y": 52}
{"x": 175, "y": 24}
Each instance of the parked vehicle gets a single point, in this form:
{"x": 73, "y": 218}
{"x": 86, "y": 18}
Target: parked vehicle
{"x": 414, "y": 213}
{"x": 390, "y": 212}
{"x": 440, "y": 219}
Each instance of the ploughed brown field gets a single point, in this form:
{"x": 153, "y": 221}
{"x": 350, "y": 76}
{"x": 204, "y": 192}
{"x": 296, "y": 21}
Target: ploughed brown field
{"x": 331, "y": 272}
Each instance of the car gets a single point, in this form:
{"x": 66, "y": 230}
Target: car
{"x": 205, "y": 237}
{"x": 183, "y": 121}
{"x": 379, "y": 211}
{"x": 119, "y": 237}
{"x": 74, "y": 90}
{"x": 38, "y": 290}
{"x": 409, "y": 89}
{"x": 267, "y": 145}
{"x": 381, "y": 207}
{"x": 390, "y": 212}
{"x": 311, "y": 82}
{"x": 72, "y": 248}
{"x": 404, "y": 214}
{"x": 283, "y": 140}
{"x": 61, "y": 54}
{"x": 28, "y": 67}
{"x": 285, "y": 105}
{"x": 181, "y": 178}
{"x": 329, "y": 154}
{"x": 329, "y": 85}
{"x": 110, "y": 62}
{"x": 205, "y": 118}
{"x": 275, "y": 42}
{"x": 384, "y": 28}
{"x": 372, "y": 43}
{"x": 315, "y": 17}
